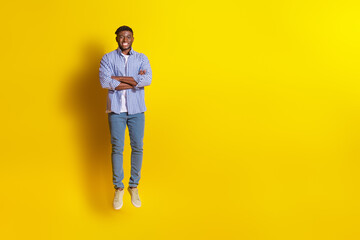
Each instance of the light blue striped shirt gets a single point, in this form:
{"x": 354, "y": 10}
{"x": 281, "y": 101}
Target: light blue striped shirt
{"x": 113, "y": 64}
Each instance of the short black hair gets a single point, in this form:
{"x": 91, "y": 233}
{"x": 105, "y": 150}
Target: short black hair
{"x": 124, "y": 28}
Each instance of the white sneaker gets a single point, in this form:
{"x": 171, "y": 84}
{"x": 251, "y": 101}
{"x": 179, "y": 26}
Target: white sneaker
{"x": 135, "y": 199}
{"x": 118, "y": 199}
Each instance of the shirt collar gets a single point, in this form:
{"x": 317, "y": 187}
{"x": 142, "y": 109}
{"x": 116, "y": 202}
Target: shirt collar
{"x": 131, "y": 51}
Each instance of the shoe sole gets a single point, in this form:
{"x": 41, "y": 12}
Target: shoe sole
{"x": 119, "y": 207}
{"x": 136, "y": 205}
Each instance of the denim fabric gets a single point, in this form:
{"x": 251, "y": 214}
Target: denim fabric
{"x": 117, "y": 124}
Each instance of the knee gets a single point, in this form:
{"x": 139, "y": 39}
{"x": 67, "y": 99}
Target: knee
{"x": 117, "y": 148}
{"x": 136, "y": 147}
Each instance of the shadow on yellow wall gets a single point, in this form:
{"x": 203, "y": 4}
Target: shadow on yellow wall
{"x": 86, "y": 101}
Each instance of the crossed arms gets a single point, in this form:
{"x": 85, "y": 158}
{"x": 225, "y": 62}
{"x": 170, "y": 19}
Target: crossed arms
{"x": 127, "y": 82}
{"x": 137, "y": 80}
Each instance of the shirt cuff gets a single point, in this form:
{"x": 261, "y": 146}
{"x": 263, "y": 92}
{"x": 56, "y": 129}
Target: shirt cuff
{"x": 115, "y": 84}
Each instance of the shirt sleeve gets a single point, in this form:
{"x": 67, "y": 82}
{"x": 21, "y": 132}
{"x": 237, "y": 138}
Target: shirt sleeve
{"x": 105, "y": 74}
{"x": 144, "y": 80}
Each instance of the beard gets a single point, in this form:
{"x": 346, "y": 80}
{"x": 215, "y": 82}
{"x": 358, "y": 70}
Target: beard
{"x": 124, "y": 48}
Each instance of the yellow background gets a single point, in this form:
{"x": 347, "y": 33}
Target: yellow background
{"x": 252, "y": 128}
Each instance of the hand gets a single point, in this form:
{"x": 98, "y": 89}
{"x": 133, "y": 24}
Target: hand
{"x": 142, "y": 72}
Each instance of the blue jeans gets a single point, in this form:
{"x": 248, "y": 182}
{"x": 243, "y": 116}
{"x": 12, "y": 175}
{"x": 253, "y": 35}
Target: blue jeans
{"x": 117, "y": 124}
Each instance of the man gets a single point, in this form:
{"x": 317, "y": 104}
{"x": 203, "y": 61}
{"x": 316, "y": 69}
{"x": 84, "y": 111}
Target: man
{"x": 125, "y": 73}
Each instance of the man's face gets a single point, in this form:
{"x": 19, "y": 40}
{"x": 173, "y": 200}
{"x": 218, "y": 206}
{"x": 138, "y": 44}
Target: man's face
{"x": 124, "y": 40}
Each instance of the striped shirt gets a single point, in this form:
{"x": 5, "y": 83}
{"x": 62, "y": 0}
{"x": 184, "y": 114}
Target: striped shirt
{"x": 113, "y": 64}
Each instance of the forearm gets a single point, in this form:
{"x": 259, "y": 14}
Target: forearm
{"x": 123, "y": 86}
{"x": 129, "y": 80}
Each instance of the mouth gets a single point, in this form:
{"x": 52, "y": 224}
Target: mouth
{"x": 125, "y": 44}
